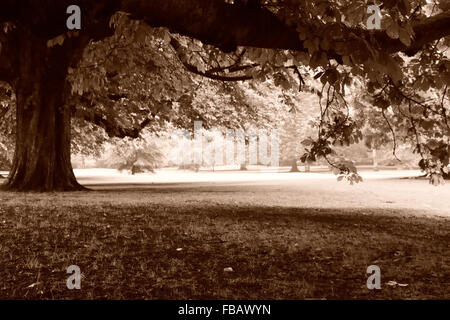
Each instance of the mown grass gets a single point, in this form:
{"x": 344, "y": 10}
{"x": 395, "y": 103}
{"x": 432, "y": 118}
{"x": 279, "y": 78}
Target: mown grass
{"x": 132, "y": 251}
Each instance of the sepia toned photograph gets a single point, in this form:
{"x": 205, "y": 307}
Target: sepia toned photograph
{"x": 224, "y": 150}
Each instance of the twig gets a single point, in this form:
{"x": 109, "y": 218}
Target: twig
{"x": 394, "y": 151}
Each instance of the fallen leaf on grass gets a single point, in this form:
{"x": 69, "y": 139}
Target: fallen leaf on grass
{"x": 34, "y": 285}
{"x": 395, "y": 283}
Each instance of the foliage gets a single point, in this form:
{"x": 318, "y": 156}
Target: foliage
{"x": 297, "y": 124}
{"x": 134, "y": 155}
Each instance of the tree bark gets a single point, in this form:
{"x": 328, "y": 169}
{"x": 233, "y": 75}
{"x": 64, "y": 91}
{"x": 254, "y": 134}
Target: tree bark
{"x": 42, "y": 155}
{"x": 374, "y": 157}
{"x": 307, "y": 167}
{"x": 294, "y": 166}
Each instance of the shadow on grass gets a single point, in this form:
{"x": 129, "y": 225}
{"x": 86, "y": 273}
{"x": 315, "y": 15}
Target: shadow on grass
{"x": 157, "y": 251}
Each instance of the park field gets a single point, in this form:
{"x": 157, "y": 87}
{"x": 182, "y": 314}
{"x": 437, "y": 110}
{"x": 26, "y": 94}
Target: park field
{"x": 224, "y": 235}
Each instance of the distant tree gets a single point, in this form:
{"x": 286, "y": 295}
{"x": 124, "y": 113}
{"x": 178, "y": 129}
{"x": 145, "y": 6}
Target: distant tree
{"x": 375, "y": 131}
{"x": 134, "y": 155}
{"x": 296, "y": 126}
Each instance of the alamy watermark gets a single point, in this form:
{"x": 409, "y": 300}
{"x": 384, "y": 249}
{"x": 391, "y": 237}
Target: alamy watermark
{"x": 374, "y": 21}
{"x": 231, "y": 147}
{"x": 74, "y": 281}
{"x": 74, "y": 20}
{"x": 374, "y": 280}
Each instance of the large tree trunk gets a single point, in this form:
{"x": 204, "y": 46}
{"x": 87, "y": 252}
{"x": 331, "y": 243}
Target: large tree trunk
{"x": 42, "y": 155}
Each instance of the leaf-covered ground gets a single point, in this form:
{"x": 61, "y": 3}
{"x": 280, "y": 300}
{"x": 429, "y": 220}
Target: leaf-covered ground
{"x": 175, "y": 242}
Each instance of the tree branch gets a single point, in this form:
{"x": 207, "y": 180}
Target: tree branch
{"x": 394, "y": 137}
{"x": 211, "y": 74}
{"x": 217, "y": 23}
{"x": 111, "y": 127}
{"x": 228, "y": 26}
{"x": 214, "y": 22}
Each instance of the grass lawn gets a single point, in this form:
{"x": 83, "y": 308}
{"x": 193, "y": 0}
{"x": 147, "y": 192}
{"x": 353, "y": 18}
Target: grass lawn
{"x": 174, "y": 242}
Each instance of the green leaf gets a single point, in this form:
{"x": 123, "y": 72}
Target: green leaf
{"x": 393, "y": 30}
{"x": 405, "y": 37}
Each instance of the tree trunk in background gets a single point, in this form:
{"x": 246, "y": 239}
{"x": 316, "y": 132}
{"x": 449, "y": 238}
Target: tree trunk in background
{"x": 294, "y": 167}
{"x": 42, "y": 155}
{"x": 374, "y": 159}
{"x": 307, "y": 167}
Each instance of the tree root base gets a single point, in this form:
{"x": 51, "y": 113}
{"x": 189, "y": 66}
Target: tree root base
{"x": 68, "y": 188}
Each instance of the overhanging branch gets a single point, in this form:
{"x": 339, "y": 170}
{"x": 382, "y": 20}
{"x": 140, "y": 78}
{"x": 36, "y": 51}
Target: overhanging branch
{"x": 111, "y": 127}
{"x": 212, "y": 73}
{"x": 228, "y": 26}
{"x": 216, "y": 23}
